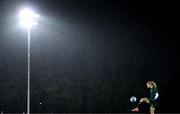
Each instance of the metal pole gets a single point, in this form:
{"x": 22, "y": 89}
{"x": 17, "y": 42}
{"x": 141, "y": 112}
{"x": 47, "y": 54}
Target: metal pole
{"x": 28, "y": 72}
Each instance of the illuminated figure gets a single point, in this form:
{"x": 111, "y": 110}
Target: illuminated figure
{"x": 151, "y": 100}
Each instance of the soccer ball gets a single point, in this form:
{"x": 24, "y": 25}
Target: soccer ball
{"x": 133, "y": 99}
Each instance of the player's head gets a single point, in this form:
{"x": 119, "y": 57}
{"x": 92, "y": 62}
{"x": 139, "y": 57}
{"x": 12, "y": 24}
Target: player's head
{"x": 151, "y": 84}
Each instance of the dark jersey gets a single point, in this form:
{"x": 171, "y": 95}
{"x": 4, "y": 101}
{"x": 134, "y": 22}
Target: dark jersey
{"x": 152, "y": 99}
{"x": 153, "y": 93}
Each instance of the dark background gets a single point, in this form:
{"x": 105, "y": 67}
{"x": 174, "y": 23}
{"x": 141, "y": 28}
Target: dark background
{"x": 89, "y": 55}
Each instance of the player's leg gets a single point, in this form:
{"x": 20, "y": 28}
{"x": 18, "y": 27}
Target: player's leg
{"x": 152, "y": 104}
{"x": 152, "y": 110}
{"x": 146, "y": 100}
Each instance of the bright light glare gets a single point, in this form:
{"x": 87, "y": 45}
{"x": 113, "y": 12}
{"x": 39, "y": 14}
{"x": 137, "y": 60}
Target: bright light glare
{"x": 28, "y": 18}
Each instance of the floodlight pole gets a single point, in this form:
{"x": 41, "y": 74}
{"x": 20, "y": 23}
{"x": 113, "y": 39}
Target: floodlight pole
{"x": 28, "y": 19}
{"x": 28, "y": 69}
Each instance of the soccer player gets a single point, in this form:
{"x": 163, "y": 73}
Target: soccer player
{"x": 151, "y": 100}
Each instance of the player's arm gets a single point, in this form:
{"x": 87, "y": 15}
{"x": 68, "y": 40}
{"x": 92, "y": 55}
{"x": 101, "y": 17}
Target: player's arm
{"x": 156, "y": 95}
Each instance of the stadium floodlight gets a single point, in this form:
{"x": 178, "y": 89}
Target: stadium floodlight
{"x": 27, "y": 19}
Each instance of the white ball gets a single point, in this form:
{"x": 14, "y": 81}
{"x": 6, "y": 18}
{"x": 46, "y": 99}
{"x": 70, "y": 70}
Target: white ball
{"x": 133, "y": 99}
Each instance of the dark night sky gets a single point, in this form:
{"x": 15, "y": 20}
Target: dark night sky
{"x": 89, "y": 55}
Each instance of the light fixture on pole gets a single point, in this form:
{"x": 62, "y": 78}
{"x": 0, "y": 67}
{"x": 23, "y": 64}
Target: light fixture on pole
{"x": 28, "y": 19}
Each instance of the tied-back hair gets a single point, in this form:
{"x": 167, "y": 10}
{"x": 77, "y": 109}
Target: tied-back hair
{"x": 153, "y": 84}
